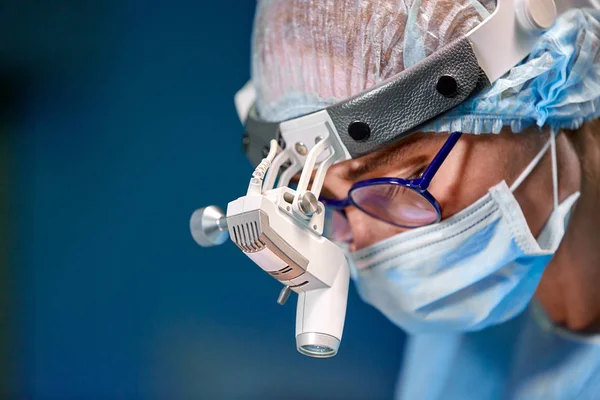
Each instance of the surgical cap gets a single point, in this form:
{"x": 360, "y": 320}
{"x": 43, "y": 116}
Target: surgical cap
{"x": 309, "y": 54}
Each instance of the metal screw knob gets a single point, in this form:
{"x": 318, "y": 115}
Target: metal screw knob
{"x": 208, "y": 226}
{"x": 301, "y": 148}
{"x": 539, "y": 14}
{"x": 308, "y": 204}
{"x": 284, "y": 295}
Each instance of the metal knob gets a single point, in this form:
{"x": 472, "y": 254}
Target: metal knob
{"x": 536, "y": 15}
{"x": 284, "y": 295}
{"x": 308, "y": 204}
{"x": 541, "y": 13}
{"x": 208, "y": 226}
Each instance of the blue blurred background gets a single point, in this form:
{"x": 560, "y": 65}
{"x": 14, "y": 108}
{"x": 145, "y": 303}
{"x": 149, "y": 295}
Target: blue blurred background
{"x": 117, "y": 121}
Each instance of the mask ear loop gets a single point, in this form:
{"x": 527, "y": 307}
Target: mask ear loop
{"x": 527, "y": 171}
{"x": 553, "y": 134}
{"x": 536, "y": 160}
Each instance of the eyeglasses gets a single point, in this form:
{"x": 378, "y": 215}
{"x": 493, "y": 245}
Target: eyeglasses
{"x": 400, "y": 202}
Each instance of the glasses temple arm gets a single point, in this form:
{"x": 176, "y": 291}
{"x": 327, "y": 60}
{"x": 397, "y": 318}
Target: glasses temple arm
{"x": 439, "y": 159}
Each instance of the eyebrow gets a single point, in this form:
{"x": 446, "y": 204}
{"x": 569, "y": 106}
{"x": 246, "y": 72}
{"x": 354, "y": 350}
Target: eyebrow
{"x": 387, "y": 156}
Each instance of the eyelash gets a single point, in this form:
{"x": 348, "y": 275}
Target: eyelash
{"x": 418, "y": 173}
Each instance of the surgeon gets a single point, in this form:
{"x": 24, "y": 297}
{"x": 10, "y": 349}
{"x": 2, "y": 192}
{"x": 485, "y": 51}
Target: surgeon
{"x": 500, "y": 296}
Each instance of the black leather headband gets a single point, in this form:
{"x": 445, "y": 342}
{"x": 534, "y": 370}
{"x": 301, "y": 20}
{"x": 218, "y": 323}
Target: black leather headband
{"x": 394, "y": 109}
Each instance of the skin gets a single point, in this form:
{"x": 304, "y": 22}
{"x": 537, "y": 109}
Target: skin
{"x": 568, "y": 289}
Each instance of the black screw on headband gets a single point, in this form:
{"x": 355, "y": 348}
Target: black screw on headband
{"x": 359, "y": 130}
{"x": 447, "y": 86}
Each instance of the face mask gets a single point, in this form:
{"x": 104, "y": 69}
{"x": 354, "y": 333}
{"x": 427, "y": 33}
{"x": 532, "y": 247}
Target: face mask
{"x": 477, "y": 268}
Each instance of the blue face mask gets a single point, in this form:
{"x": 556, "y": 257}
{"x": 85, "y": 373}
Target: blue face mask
{"x": 477, "y": 268}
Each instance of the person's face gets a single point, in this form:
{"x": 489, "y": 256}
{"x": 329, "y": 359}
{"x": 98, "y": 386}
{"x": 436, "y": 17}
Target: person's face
{"x": 477, "y": 163}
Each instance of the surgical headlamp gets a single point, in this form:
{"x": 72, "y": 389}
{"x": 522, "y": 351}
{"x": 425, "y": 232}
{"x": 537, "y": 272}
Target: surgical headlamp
{"x": 280, "y": 228}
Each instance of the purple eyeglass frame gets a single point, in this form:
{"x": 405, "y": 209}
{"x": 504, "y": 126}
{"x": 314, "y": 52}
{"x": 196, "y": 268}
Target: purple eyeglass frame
{"x": 418, "y": 185}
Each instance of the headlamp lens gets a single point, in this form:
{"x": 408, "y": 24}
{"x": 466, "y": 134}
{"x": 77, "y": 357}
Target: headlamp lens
{"x": 315, "y": 350}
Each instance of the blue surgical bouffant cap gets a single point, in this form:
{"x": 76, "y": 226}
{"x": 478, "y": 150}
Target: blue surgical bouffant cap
{"x": 557, "y": 85}
{"x": 308, "y": 55}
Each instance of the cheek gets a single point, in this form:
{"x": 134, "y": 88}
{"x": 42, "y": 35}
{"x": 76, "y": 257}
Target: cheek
{"x": 367, "y": 231}
{"x": 465, "y": 177}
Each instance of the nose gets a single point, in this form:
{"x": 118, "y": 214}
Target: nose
{"x": 367, "y": 230}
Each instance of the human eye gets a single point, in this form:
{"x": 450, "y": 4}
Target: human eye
{"x": 417, "y": 173}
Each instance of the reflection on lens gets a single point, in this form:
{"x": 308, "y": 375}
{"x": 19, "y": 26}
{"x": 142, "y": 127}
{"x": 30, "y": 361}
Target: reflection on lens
{"x": 317, "y": 350}
{"x": 396, "y": 204}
